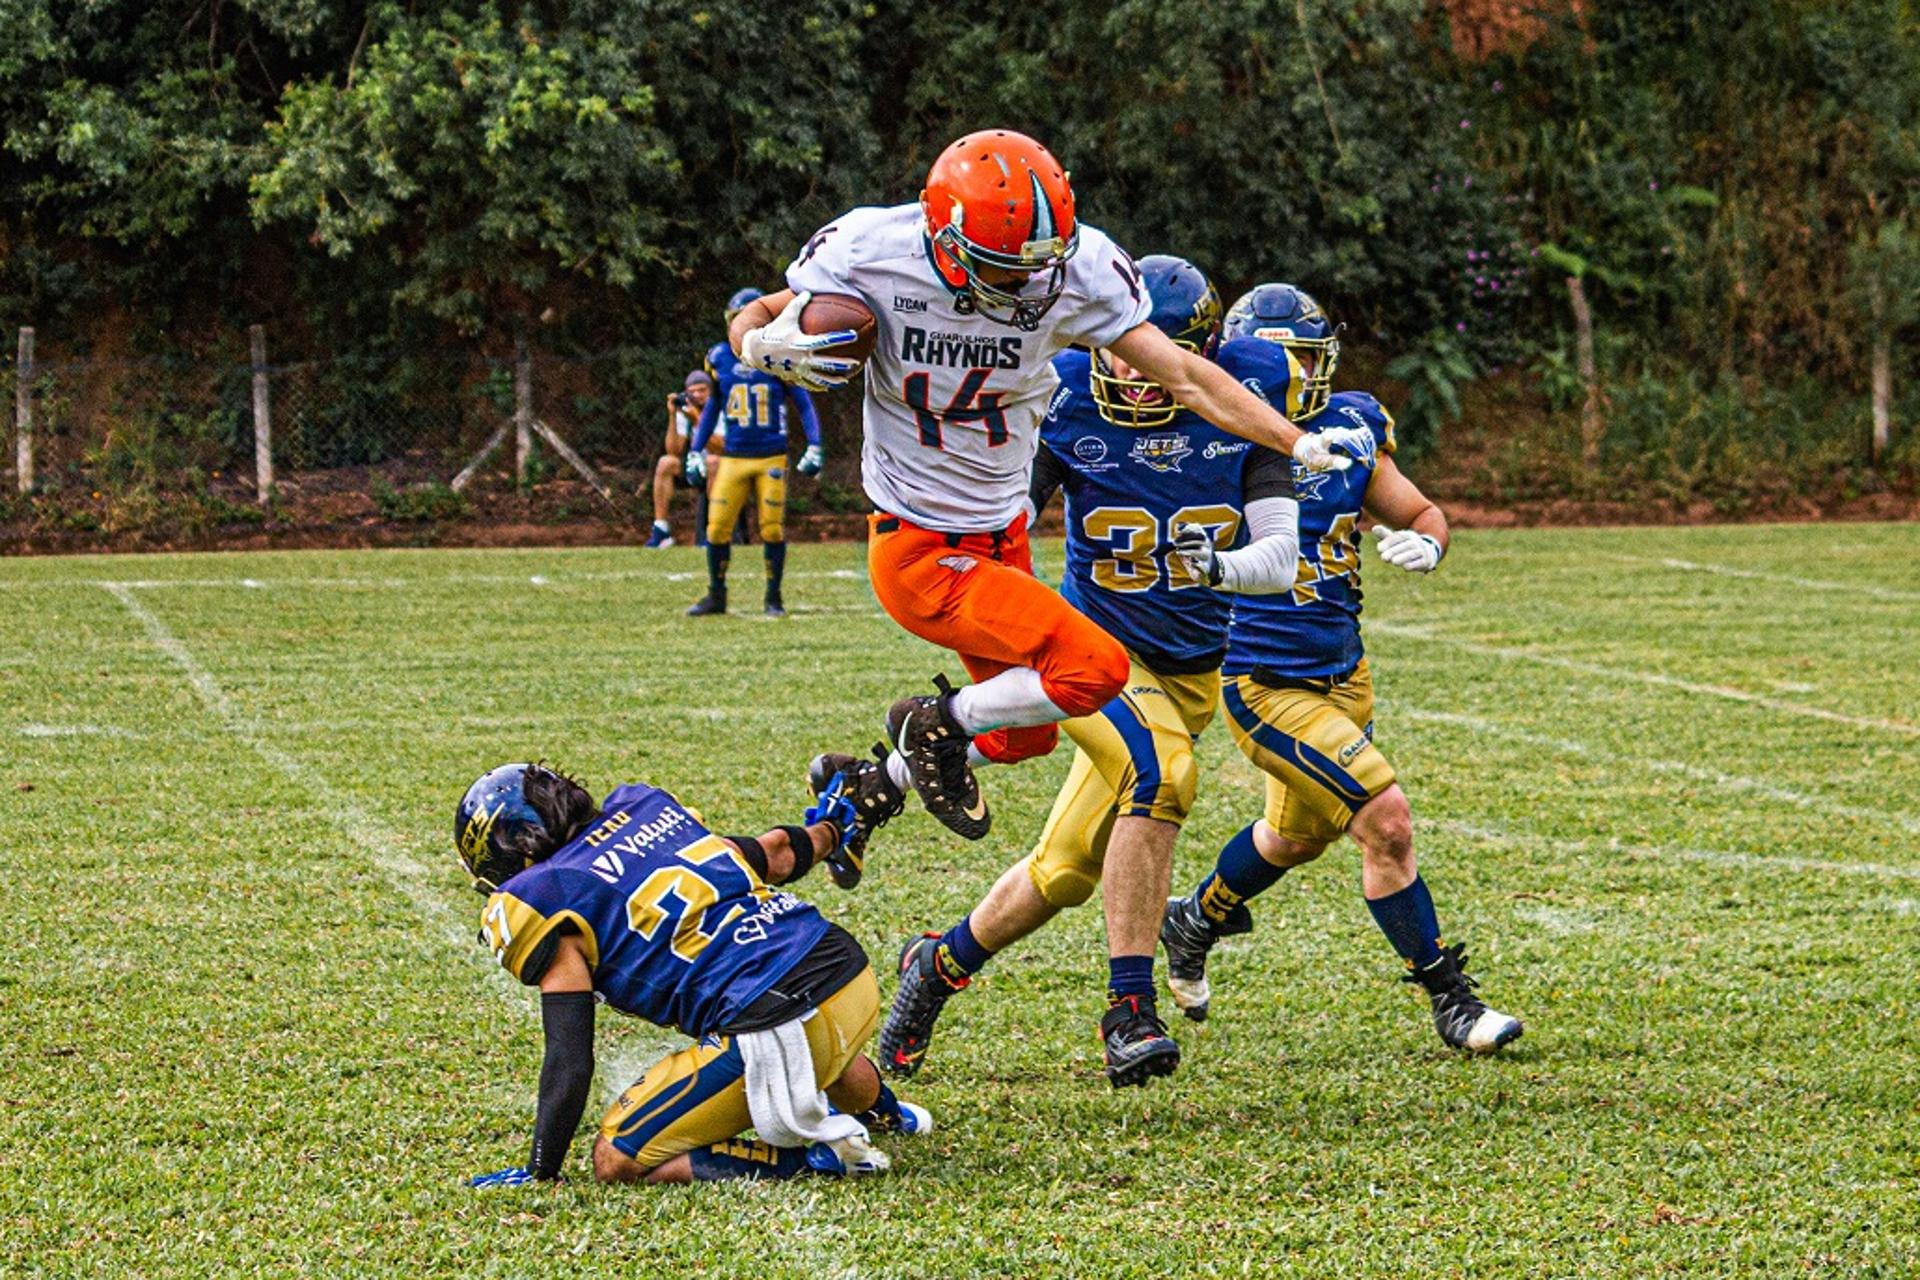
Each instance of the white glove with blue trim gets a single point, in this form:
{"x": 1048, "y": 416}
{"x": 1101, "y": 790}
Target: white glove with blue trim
{"x": 781, "y": 349}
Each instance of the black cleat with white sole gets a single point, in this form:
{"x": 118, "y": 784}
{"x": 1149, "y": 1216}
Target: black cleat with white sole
{"x": 925, "y": 733}
{"x": 1462, "y": 1018}
{"x": 1137, "y": 1045}
{"x": 1187, "y": 934}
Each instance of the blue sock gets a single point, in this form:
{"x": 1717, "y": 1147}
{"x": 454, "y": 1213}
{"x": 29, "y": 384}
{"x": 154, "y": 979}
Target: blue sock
{"x": 718, "y": 554}
{"x": 959, "y": 946}
{"x": 884, "y": 1114}
{"x": 743, "y": 1159}
{"x": 1408, "y": 920}
{"x": 776, "y": 563}
{"x": 1129, "y": 976}
{"x": 1239, "y": 874}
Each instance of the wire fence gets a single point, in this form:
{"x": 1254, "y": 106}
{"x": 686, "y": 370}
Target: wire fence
{"x": 227, "y": 415}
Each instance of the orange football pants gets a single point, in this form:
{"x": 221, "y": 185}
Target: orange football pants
{"x": 975, "y": 593}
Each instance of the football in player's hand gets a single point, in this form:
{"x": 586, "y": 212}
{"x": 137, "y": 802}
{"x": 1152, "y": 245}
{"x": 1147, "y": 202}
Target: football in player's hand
{"x": 826, "y": 312}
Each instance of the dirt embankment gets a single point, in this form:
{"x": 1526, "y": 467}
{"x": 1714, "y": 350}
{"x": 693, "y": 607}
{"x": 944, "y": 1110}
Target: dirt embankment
{"x": 567, "y": 514}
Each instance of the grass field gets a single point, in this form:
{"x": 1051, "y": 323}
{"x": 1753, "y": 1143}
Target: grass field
{"x": 1667, "y": 787}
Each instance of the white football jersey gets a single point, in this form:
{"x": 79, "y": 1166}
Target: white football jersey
{"x": 954, "y": 400}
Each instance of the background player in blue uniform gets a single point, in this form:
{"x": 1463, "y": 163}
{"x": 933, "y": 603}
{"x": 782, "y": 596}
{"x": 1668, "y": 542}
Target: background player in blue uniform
{"x": 1136, "y": 468}
{"x": 758, "y": 409}
{"x": 636, "y": 904}
{"x": 1299, "y": 695}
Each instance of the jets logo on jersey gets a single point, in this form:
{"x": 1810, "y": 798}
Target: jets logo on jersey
{"x": 1161, "y": 451}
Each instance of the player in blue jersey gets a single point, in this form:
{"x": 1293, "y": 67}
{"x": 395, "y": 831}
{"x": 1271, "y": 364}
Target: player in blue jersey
{"x": 1137, "y": 469}
{"x": 634, "y": 903}
{"x": 1299, "y": 695}
{"x": 757, "y": 409}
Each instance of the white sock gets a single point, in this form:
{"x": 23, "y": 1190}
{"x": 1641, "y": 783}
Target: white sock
{"x": 898, "y": 771}
{"x": 663, "y": 526}
{"x": 1013, "y": 699}
{"x": 976, "y": 759}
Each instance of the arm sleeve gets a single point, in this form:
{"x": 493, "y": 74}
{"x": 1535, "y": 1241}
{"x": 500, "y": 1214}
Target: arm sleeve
{"x": 803, "y": 406}
{"x": 565, "y": 1077}
{"x": 1047, "y": 477}
{"x": 1267, "y": 564}
{"x": 1268, "y": 475}
{"x": 708, "y": 416}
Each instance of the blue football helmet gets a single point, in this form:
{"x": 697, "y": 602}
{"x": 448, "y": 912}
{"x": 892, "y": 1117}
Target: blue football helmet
{"x": 514, "y": 816}
{"x": 1288, "y": 315}
{"x": 1186, "y": 307}
{"x": 739, "y": 300}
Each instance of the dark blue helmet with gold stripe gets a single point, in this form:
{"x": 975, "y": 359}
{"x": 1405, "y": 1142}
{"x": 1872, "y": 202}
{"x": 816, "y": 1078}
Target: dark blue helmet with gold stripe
{"x": 514, "y": 816}
{"x": 1288, "y": 315}
{"x": 1186, "y": 307}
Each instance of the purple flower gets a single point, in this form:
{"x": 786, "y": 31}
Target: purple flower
{"x": 1499, "y": 86}
{"x": 1495, "y": 285}
{"x": 1479, "y": 279}
{"x": 1466, "y": 124}
{"x": 1460, "y": 326}
{"x": 1653, "y": 186}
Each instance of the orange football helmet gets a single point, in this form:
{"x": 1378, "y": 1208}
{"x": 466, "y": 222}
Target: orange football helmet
{"x": 999, "y": 199}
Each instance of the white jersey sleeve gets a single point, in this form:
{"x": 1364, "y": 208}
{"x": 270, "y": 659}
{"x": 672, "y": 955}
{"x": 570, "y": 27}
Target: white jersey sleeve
{"x": 1104, "y": 297}
{"x": 826, "y": 263}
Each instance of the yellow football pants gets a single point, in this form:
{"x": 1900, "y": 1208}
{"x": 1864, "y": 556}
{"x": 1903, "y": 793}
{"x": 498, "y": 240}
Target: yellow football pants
{"x": 1132, "y": 758}
{"x": 698, "y": 1096}
{"x": 1316, "y": 748}
{"x": 735, "y": 482}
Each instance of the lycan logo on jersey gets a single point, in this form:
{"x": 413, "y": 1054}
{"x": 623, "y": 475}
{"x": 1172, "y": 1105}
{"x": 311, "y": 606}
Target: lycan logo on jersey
{"x": 1162, "y": 450}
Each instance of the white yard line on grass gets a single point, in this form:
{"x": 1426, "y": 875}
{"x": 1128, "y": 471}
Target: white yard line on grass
{"x": 1755, "y": 575}
{"x": 1777, "y": 705}
{"x": 409, "y": 875}
{"x": 1731, "y": 782}
{"x": 1498, "y": 834}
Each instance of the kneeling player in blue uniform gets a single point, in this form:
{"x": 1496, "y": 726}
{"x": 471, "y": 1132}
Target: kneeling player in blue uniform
{"x": 1300, "y": 697}
{"x": 1137, "y": 469}
{"x": 636, "y": 904}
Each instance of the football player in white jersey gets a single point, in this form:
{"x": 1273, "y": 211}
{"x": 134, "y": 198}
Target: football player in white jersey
{"x": 974, "y": 290}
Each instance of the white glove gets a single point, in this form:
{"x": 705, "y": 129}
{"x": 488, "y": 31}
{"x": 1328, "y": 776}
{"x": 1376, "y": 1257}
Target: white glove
{"x": 1405, "y": 549}
{"x": 695, "y": 466}
{"x": 1194, "y": 545}
{"x": 811, "y": 461}
{"x": 1331, "y": 450}
{"x": 781, "y": 349}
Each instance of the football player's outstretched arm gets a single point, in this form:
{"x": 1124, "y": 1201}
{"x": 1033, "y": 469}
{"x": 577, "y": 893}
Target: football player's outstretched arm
{"x": 1412, "y": 530}
{"x": 784, "y": 854}
{"x": 566, "y": 1073}
{"x": 1210, "y": 391}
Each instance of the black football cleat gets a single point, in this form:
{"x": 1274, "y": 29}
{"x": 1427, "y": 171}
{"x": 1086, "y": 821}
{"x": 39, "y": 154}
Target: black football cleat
{"x": 710, "y": 604}
{"x": 1187, "y": 934}
{"x": 875, "y": 798}
{"x": 1137, "y": 1044}
{"x": 924, "y": 731}
{"x": 923, "y": 990}
{"x": 1462, "y": 1018}
{"x": 775, "y": 607}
